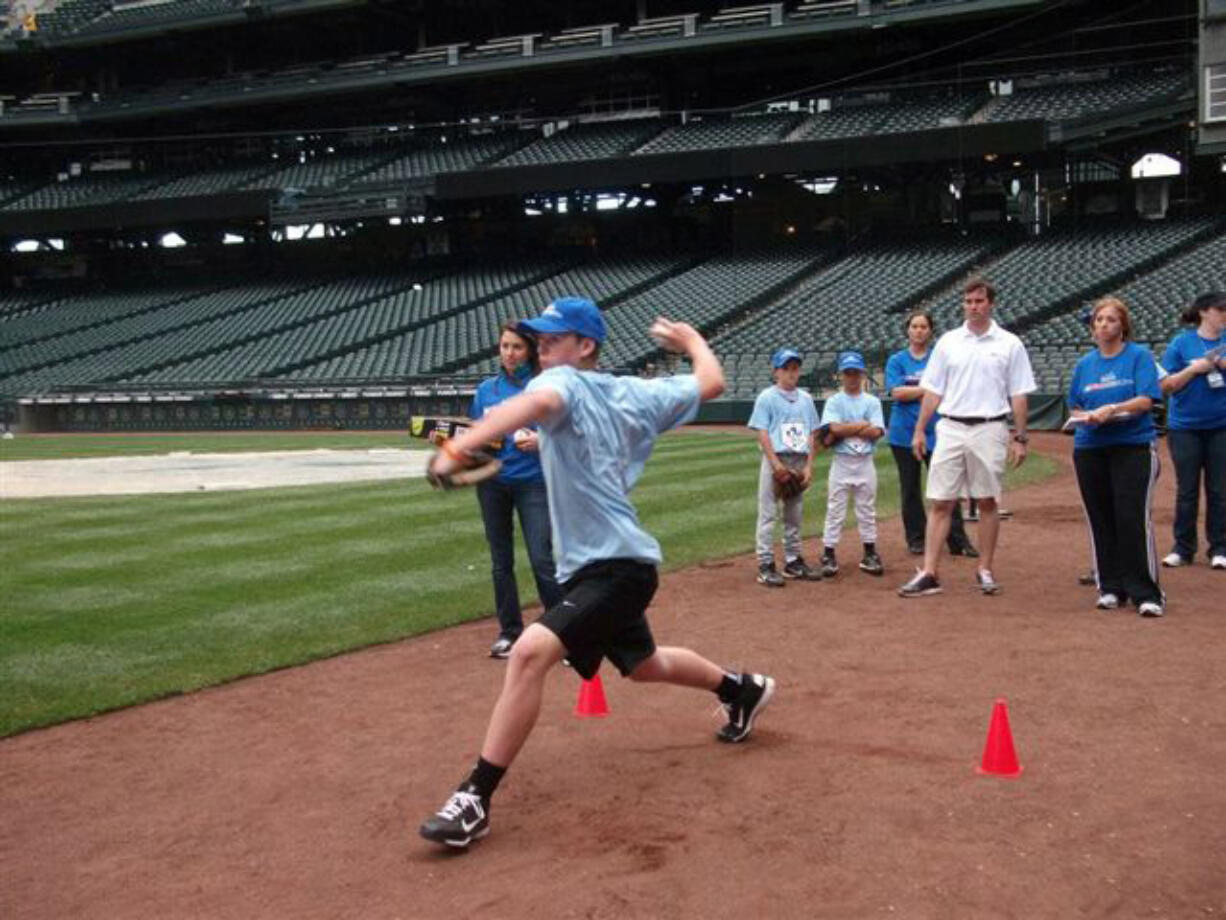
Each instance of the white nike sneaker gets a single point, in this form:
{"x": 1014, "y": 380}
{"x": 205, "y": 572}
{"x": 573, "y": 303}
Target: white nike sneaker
{"x": 464, "y": 817}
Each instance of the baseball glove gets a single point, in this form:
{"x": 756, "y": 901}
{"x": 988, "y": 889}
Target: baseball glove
{"x": 789, "y": 484}
{"x": 827, "y": 438}
{"x": 479, "y": 467}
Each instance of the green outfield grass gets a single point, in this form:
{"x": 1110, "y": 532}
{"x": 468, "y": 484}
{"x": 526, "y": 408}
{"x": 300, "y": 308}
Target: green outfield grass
{"x": 115, "y": 601}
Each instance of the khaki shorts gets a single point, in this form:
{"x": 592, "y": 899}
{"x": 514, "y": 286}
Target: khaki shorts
{"x": 969, "y": 460}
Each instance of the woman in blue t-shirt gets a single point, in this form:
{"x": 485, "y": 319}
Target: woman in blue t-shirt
{"x": 1115, "y": 454}
{"x": 1196, "y": 425}
{"x": 518, "y": 488}
{"x": 902, "y": 375}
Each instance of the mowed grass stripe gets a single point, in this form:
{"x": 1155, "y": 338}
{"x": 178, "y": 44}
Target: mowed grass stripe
{"x": 285, "y": 548}
{"x": 174, "y": 516}
{"x": 119, "y": 600}
{"x": 64, "y": 446}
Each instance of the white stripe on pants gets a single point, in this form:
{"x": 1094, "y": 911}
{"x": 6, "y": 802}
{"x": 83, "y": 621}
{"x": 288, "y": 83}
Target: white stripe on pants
{"x": 768, "y": 509}
{"x": 856, "y": 475}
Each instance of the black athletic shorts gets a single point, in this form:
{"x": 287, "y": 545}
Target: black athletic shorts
{"x": 601, "y": 615}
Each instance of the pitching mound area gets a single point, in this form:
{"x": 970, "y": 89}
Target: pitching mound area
{"x": 298, "y": 794}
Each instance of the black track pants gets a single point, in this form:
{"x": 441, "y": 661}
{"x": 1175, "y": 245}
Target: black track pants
{"x": 1117, "y": 485}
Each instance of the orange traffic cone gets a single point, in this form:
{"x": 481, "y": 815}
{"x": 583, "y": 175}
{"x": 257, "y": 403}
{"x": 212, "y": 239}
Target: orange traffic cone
{"x": 591, "y": 699}
{"x": 999, "y": 757}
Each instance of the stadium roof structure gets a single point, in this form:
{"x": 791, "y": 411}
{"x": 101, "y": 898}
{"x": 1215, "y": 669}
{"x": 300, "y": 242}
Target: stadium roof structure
{"x": 762, "y": 27}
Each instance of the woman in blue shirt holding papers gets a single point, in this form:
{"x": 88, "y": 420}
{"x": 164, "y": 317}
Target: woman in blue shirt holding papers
{"x": 1115, "y": 455}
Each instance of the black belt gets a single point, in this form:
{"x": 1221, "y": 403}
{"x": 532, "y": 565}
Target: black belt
{"x": 975, "y": 419}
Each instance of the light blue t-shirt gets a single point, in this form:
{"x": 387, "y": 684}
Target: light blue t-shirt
{"x": 1099, "y": 381}
{"x": 788, "y": 416}
{"x": 1197, "y": 406}
{"x": 864, "y": 407}
{"x": 903, "y": 369}
{"x": 593, "y": 452}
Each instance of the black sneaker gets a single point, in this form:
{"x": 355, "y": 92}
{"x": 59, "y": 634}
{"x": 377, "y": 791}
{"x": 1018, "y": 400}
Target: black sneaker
{"x": 756, "y": 692}
{"x": 797, "y": 568}
{"x": 464, "y": 817}
{"x": 916, "y": 547}
{"x": 921, "y": 585}
{"x": 501, "y": 647}
{"x": 830, "y": 565}
{"x": 767, "y": 575}
{"x": 871, "y": 563}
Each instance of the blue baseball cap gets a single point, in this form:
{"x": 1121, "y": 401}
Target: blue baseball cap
{"x": 783, "y": 356}
{"x": 851, "y": 361}
{"x": 568, "y": 314}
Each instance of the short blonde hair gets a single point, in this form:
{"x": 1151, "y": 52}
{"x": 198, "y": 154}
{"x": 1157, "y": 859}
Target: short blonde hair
{"x": 1120, "y": 307}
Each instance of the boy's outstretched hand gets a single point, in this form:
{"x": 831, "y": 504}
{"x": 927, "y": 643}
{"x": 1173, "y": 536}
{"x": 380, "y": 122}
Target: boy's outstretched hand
{"x": 686, "y": 339}
{"x": 673, "y": 336}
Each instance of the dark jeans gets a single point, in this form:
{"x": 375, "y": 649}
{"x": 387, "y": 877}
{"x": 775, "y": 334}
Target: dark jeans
{"x": 1198, "y": 453}
{"x": 499, "y": 500}
{"x": 1117, "y": 485}
{"x": 914, "y": 520}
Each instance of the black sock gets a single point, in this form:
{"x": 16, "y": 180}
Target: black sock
{"x": 870, "y": 548}
{"x": 485, "y": 778}
{"x": 729, "y": 689}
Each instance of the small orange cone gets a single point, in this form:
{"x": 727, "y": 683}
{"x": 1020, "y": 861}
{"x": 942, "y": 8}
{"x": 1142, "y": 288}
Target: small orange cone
{"x": 999, "y": 757}
{"x": 591, "y": 699}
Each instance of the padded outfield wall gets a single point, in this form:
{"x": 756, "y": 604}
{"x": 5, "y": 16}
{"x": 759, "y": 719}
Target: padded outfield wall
{"x": 236, "y": 412}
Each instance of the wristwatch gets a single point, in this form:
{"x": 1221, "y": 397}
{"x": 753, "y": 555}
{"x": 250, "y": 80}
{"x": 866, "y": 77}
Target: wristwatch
{"x": 1022, "y": 438}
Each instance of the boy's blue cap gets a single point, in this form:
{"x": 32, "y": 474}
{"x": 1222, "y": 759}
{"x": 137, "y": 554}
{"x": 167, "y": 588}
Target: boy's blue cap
{"x": 783, "y": 356}
{"x": 568, "y": 314}
{"x": 851, "y": 361}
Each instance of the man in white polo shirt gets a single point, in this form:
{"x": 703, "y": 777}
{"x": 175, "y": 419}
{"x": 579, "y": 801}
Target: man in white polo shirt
{"x": 977, "y": 374}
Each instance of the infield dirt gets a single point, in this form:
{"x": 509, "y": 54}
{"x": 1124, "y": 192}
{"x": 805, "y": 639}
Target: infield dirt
{"x": 298, "y": 794}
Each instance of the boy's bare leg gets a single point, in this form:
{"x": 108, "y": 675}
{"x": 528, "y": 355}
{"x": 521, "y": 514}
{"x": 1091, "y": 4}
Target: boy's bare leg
{"x": 743, "y": 696}
{"x": 681, "y": 666}
{"x": 519, "y": 703}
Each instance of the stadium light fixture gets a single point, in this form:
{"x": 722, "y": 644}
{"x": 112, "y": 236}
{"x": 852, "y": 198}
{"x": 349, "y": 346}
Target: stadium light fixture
{"x": 232, "y": 239}
{"x": 171, "y": 240}
{"x": 26, "y": 246}
{"x": 1156, "y": 166}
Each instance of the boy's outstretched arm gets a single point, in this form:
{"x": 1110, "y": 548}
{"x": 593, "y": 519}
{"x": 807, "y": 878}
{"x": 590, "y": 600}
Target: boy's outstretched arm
{"x": 517, "y": 412}
{"x": 685, "y": 338}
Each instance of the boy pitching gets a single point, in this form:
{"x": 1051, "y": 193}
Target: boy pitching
{"x": 596, "y": 433}
{"x": 786, "y": 421}
{"x": 855, "y": 421}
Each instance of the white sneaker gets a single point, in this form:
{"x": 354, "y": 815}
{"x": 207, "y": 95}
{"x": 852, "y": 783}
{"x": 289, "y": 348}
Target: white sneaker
{"x": 1108, "y": 602}
{"x": 1218, "y": 562}
{"x": 1152, "y": 609}
{"x": 1174, "y": 561}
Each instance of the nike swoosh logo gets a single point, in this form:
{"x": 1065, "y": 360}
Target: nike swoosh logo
{"x": 468, "y": 826}
{"x": 567, "y": 604}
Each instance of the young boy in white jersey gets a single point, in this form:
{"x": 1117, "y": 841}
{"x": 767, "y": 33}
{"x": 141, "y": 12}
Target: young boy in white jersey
{"x": 855, "y": 422}
{"x": 786, "y": 421}
{"x": 596, "y": 433}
